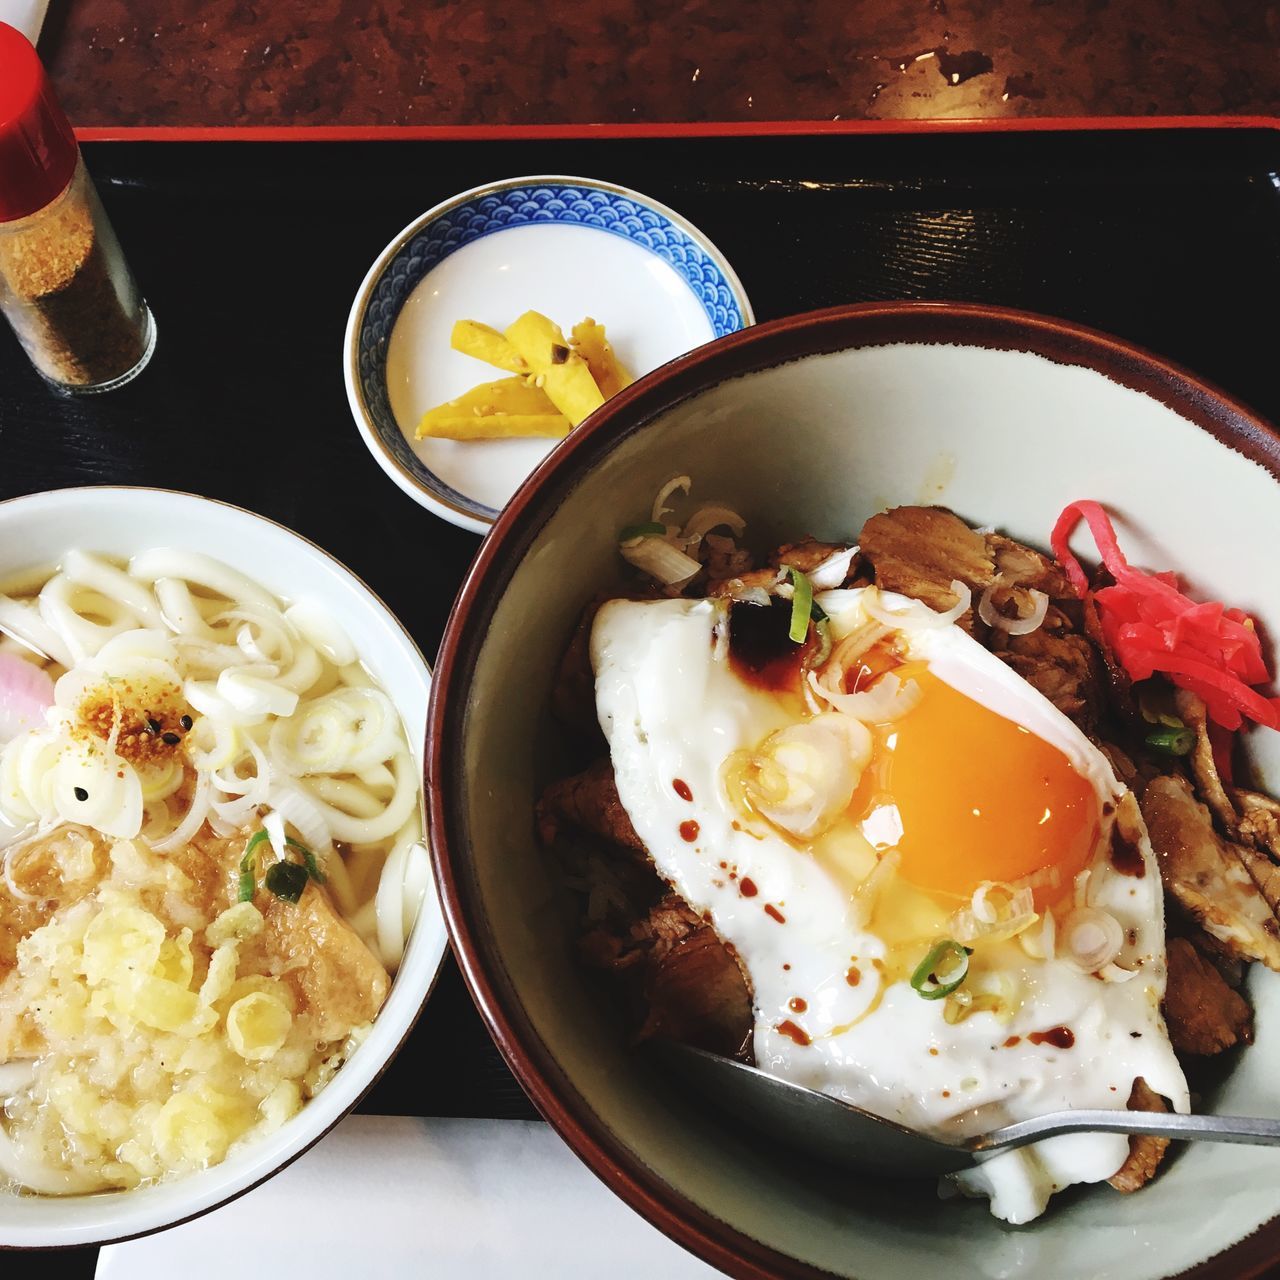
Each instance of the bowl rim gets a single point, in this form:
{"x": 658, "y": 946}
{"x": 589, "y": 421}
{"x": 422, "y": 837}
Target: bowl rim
{"x": 763, "y": 346}
{"x": 434, "y": 502}
{"x": 82, "y": 1237}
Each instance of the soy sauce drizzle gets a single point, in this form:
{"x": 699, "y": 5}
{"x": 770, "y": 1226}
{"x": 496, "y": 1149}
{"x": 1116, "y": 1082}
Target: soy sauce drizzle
{"x": 1059, "y": 1037}
{"x": 1126, "y": 856}
{"x": 794, "y": 1032}
{"x": 761, "y": 651}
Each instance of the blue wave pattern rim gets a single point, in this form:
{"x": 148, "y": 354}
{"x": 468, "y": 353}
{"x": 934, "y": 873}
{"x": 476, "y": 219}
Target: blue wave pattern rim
{"x": 485, "y": 215}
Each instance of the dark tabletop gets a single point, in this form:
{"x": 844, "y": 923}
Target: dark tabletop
{"x": 384, "y": 62}
{"x": 251, "y": 254}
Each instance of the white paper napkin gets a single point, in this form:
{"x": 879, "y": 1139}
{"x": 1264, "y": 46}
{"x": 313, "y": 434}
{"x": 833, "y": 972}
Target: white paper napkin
{"x": 26, "y": 15}
{"x": 386, "y": 1197}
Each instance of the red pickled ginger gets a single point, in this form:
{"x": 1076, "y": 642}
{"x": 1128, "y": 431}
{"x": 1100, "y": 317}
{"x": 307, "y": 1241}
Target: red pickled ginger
{"x": 1152, "y": 627}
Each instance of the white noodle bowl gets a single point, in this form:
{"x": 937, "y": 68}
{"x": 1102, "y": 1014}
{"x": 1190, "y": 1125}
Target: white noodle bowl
{"x": 281, "y": 726}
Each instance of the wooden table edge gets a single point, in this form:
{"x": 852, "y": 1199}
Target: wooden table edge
{"x": 699, "y": 129}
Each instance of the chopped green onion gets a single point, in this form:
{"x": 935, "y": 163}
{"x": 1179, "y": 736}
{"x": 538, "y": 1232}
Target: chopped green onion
{"x": 248, "y": 865}
{"x": 651, "y": 529}
{"x": 1155, "y": 702}
{"x": 822, "y": 628}
{"x": 948, "y": 956}
{"x": 801, "y": 605}
{"x": 308, "y": 858}
{"x": 957, "y": 1007}
{"x": 287, "y": 880}
{"x": 1171, "y": 742}
{"x": 254, "y": 841}
{"x": 961, "y": 1004}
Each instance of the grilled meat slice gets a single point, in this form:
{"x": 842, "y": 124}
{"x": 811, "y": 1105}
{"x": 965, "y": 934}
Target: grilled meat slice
{"x": 1204, "y": 769}
{"x": 1203, "y": 1014}
{"x": 590, "y": 802}
{"x": 1060, "y": 663}
{"x": 1205, "y": 873}
{"x": 1018, "y": 565}
{"x": 685, "y": 984}
{"x": 1145, "y": 1152}
{"x": 1119, "y": 685}
{"x": 573, "y": 694}
{"x": 765, "y": 579}
{"x": 1265, "y": 874}
{"x": 1259, "y": 829}
{"x": 695, "y": 993}
{"x": 724, "y": 561}
{"x": 1259, "y": 820}
{"x": 807, "y": 554}
{"x": 1021, "y": 566}
{"x": 919, "y": 551}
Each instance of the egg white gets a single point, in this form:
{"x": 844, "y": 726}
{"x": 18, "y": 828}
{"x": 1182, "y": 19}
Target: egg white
{"x": 672, "y": 709}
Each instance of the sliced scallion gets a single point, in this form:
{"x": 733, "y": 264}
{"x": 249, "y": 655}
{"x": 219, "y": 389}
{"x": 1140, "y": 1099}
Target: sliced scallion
{"x": 942, "y": 970}
{"x": 650, "y": 529}
{"x": 822, "y": 628}
{"x": 248, "y": 866}
{"x": 308, "y": 858}
{"x": 1155, "y": 702}
{"x": 1171, "y": 742}
{"x": 801, "y": 605}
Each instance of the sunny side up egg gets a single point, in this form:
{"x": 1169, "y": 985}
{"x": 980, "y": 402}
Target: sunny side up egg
{"x": 844, "y": 843}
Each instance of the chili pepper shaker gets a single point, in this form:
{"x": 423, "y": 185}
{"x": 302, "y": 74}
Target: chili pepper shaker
{"x": 64, "y": 284}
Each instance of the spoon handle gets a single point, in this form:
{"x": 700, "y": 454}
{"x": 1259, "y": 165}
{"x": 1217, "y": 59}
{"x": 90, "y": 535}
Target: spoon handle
{"x": 1158, "y": 1124}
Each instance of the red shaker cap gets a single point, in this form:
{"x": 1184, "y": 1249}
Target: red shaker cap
{"x": 37, "y": 148}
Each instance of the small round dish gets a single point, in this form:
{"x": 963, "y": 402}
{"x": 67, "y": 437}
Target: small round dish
{"x": 568, "y": 247}
{"x": 38, "y": 530}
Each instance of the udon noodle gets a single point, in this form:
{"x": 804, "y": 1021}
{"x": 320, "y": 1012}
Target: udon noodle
{"x": 210, "y": 861}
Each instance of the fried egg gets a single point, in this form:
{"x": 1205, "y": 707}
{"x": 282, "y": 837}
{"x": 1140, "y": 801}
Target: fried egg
{"x": 854, "y": 830}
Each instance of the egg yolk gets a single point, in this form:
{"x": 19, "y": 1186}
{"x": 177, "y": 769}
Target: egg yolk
{"x": 980, "y": 797}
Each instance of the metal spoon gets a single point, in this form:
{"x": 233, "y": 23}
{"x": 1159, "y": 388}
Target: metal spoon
{"x": 841, "y": 1134}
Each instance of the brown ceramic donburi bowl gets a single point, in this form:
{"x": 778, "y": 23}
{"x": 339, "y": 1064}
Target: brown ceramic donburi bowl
{"x": 809, "y": 425}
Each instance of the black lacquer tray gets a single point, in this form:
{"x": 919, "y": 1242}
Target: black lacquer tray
{"x": 250, "y": 255}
